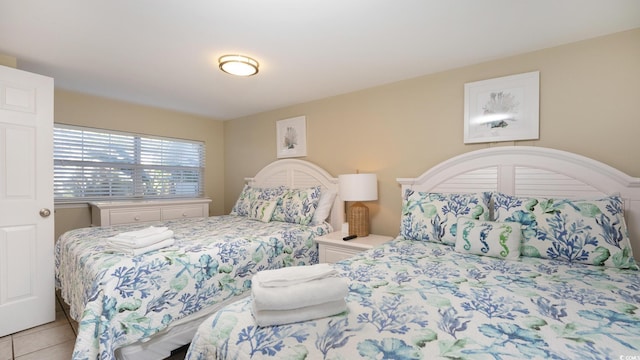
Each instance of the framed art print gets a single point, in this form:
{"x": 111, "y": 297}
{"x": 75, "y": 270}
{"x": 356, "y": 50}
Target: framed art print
{"x": 502, "y": 109}
{"x": 291, "y": 137}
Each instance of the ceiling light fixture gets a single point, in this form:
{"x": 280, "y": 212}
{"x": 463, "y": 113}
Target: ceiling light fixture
{"x": 238, "y": 65}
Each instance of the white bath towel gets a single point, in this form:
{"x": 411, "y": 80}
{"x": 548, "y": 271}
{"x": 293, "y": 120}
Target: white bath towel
{"x": 300, "y": 295}
{"x": 151, "y": 230}
{"x": 292, "y": 275}
{"x": 141, "y": 242}
{"x": 137, "y": 251}
{"x": 280, "y": 317}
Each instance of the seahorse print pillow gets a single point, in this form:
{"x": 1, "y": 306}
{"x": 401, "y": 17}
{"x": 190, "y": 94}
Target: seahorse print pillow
{"x": 584, "y": 231}
{"x": 262, "y": 210}
{"x": 488, "y": 238}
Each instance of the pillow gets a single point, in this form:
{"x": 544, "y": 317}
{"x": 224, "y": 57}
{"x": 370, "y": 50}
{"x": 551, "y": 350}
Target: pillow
{"x": 583, "y": 231}
{"x": 490, "y": 238}
{"x": 250, "y": 194}
{"x": 262, "y": 210}
{"x": 434, "y": 216}
{"x": 297, "y": 205}
{"x": 324, "y": 206}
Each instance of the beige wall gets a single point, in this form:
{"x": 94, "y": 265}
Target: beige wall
{"x": 589, "y": 98}
{"x": 86, "y": 110}
{"x": 9, "y": 61}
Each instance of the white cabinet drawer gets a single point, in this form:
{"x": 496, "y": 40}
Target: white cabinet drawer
{"x": 134, "y": 216}
{"x": 334, "y": 254}
{"x": 180, "y": 212}
{"x": 130, "y": 212}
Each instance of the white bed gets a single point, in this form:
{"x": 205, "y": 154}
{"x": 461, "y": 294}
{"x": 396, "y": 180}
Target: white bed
{"x": 534, "y": 171}
{"x": 423, "y": 298}
{"x": 76, "y": 246}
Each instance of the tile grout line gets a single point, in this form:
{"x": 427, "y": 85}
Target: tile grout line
{"x": 66, "y": 315}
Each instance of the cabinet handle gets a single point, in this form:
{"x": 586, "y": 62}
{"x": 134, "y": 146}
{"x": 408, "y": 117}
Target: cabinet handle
{"x": 136, "y": 218}
{"x": 184, "y": 214}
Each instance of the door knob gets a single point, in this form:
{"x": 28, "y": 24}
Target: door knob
{"x": 45, "y": 212}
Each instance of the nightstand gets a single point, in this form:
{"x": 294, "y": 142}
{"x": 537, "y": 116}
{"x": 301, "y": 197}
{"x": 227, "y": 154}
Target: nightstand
{"x": 332, "y": 248}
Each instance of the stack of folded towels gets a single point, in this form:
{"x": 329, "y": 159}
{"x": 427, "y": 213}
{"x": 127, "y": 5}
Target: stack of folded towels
{"x": 298, "y": 293}
{"x": 141, "y": 241}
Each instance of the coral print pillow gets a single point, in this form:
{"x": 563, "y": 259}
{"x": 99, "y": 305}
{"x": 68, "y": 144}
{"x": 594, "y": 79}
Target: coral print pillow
{"x": 250, "y": 194}
{"x": 489, "y": 238}
{"x": 297, "y": 206}
{"x": 583, "y": 231}
{"x": 434, "y": 216}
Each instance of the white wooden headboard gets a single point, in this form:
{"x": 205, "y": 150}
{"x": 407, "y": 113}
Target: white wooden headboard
{"x": 534, "y": 171}
{"x": 296, "y": 173}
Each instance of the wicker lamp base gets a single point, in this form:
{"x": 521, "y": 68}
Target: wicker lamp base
{"x": 358, "y": 219}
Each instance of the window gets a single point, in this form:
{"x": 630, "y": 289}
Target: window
{"x": 94, "y": 164}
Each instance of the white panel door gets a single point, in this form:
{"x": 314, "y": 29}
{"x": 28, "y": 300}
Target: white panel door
{"x": 26, "y": 201}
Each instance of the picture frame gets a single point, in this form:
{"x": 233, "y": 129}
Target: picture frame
{"x": 291, "y": 137}
{"x": 502, "y": 109}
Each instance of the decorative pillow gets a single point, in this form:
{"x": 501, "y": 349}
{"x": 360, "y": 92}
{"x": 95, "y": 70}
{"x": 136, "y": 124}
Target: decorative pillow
{"x": 584, "y": 231}
{"x": 297, "y": 206}
{"x": 250, "y": 194}
{"x": 434, "y": 216}
{"x": 324, "y": 206}
{"x": 490, "y": 238}
{"x": 262, "y": 210}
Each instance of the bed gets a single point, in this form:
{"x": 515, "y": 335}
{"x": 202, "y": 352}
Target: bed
{"x": 425, "y": 295}
{"x": 143, "y": 307}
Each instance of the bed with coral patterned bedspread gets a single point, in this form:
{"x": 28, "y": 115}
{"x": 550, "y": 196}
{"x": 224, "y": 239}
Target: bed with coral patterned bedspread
{"x": 417, "y": 300}
{"x": 125, "y": 302}
{"x": 534, "y": 260}
{"x": 118, "y": 299}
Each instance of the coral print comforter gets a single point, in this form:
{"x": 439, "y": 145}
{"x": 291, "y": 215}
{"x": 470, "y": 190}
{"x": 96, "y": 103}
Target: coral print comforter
{"x": 119, "y": 299}
{"x": 423, "y": 300}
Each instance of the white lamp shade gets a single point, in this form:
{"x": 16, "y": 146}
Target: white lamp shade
{"x": 358, "y": 187}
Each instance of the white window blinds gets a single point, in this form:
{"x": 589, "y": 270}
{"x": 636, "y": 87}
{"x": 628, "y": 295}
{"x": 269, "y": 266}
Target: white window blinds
{"x": 95, "y": 164}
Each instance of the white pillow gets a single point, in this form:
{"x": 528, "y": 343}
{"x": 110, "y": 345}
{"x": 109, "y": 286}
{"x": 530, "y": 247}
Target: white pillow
{"x": 324, "y": 206}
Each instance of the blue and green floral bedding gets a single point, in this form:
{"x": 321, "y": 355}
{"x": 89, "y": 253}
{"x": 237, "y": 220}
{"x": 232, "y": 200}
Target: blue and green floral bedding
{"x": 420, "y": 300}
{"x": 119, "y": 299}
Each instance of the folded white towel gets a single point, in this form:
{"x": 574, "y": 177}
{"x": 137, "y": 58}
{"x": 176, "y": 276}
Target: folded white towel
{"x": 280, "y": 317}
{"x": 292, "y": 275}
{"x": 141, "y": 241}
{"x": 137, "y": 251}
{"x": 151, "y": 230}
{"x": 309, "y": 293}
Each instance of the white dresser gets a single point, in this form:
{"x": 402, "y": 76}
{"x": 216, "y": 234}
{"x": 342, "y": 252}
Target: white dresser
{"x": 128, "y": 212}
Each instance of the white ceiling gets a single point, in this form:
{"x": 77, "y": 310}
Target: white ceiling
{"x": 164, "y": 52}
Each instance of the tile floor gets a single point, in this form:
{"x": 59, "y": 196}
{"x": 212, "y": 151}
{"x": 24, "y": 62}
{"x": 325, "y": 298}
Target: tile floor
{"x": 52, "y": 341}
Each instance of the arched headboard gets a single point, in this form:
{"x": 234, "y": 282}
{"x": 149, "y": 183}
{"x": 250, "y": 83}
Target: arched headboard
{"x": 296, "y": 173}
{"x": 534, "y": 171}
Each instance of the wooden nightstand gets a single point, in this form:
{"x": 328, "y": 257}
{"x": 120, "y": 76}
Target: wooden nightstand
{"x": 332, "y": 248}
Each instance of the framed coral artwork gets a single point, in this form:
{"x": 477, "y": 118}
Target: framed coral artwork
{"x": 502, "y": 109}
{"x": 291, "y": 137}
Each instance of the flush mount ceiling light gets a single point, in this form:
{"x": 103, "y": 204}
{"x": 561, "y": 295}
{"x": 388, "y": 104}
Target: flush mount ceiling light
{"x": 238, "y": 65}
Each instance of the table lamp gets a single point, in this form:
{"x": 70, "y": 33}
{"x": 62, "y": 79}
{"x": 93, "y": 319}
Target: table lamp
{"x": 358, "y": 187}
